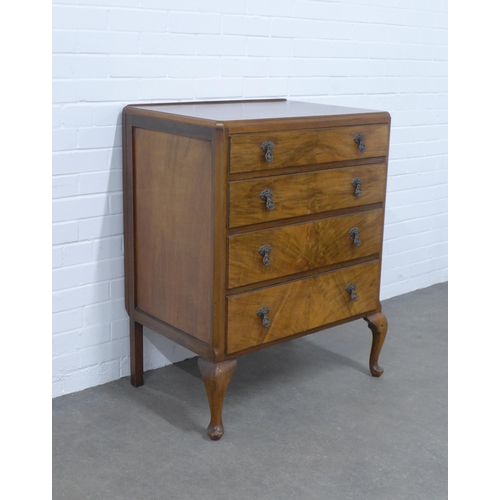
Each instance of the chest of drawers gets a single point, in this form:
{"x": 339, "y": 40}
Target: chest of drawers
{"x": 251, "y": 223}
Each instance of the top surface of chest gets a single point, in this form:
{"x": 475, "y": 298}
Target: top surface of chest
{"x": 253, "y": 110}
{"x": 261, "y": 115}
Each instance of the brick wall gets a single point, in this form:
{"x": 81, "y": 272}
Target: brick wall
{"x": 379, "y": 54}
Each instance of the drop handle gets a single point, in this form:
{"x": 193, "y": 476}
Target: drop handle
{"x": 359, "y": 139}
{"x": 262, "y": 313}
{"x": 354, "y": 234}
{"x": 265, "y": 250}
{"x": 267, "y": 147}
{"x": 351, "y": 289}
{"x": 356, "y": 184}
{"x": 266, "y": 196}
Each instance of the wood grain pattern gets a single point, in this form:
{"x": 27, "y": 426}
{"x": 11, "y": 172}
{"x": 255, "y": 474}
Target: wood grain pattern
{"x": 303, "y": 194}
{"x": 301, "y": 247}
{"x": 301, "y": 305}
{"x": 305, "y": 147}
{"x": 173, "y": 230}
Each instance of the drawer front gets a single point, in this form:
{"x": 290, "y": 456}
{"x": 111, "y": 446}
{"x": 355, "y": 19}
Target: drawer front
{"x": 301, "y": 305}
{"x": 272, "y": 253}
{"x": 306, "y": 147}
{"x": 283, "y": 196}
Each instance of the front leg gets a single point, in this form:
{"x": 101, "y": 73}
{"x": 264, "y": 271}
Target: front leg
{"x": 378, "y": 325}
{"x": 216, "y": 377}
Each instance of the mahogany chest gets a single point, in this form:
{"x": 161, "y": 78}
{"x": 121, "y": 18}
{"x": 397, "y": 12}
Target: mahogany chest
{"x": 251, "y": 223}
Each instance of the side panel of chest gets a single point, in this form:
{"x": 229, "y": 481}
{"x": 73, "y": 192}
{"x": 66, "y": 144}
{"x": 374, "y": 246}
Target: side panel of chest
{"x": 173, "y": 230}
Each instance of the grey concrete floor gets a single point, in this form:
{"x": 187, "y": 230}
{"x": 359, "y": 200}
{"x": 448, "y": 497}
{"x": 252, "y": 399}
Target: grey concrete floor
{"x": 303, "y": 420}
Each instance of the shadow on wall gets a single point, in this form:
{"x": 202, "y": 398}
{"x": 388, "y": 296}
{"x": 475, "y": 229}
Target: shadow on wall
{"x": 109, "y": 320}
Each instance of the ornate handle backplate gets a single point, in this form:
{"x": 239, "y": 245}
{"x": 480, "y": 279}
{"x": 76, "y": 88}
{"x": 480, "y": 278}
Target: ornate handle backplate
{"x": 266, "y": 196}
{"x": 267, "y": 147}
{"x": 262, "y": 313}
{"x": 359, "y": 139}
{"x": 356, "y": 184}
{"x": 351, "y": 289}
{"x": 265, "y": 250}
{"x": 354, "y": 234}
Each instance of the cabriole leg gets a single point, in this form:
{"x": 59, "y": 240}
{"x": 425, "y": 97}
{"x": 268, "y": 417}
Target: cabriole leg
{"x": 216, "y": 377}
{"x": 378, "y": 325}
{"x": 136, "y": 356}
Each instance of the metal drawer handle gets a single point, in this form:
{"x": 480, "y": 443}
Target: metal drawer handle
{"x": 266, "y": 196}
{"x": 351, "y": 288}
{"x": 359, "y": 139}
{"x": 267, "y": 147}
{"x": 265, "y": 250}
{"x": 262, "y": 313}
{"x": 356, "y": 184}
{"x": 353, "y": 233}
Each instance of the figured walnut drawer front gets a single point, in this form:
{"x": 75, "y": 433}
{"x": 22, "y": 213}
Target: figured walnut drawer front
{"x": 306, "y": 147}
{"x": 272, "y": 253}
{"x": 301, "y": 305}
{"x": 283, "y": 196}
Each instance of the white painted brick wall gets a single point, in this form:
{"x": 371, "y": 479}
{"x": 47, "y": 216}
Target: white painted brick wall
{"x": 379, "y": 54}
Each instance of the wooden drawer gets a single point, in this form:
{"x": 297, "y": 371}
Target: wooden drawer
{"x": 306, "y": 147}
{"x": 305, "y": 193}
{"x": 301, "y": 305}
{"x": 301, "y": 247}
